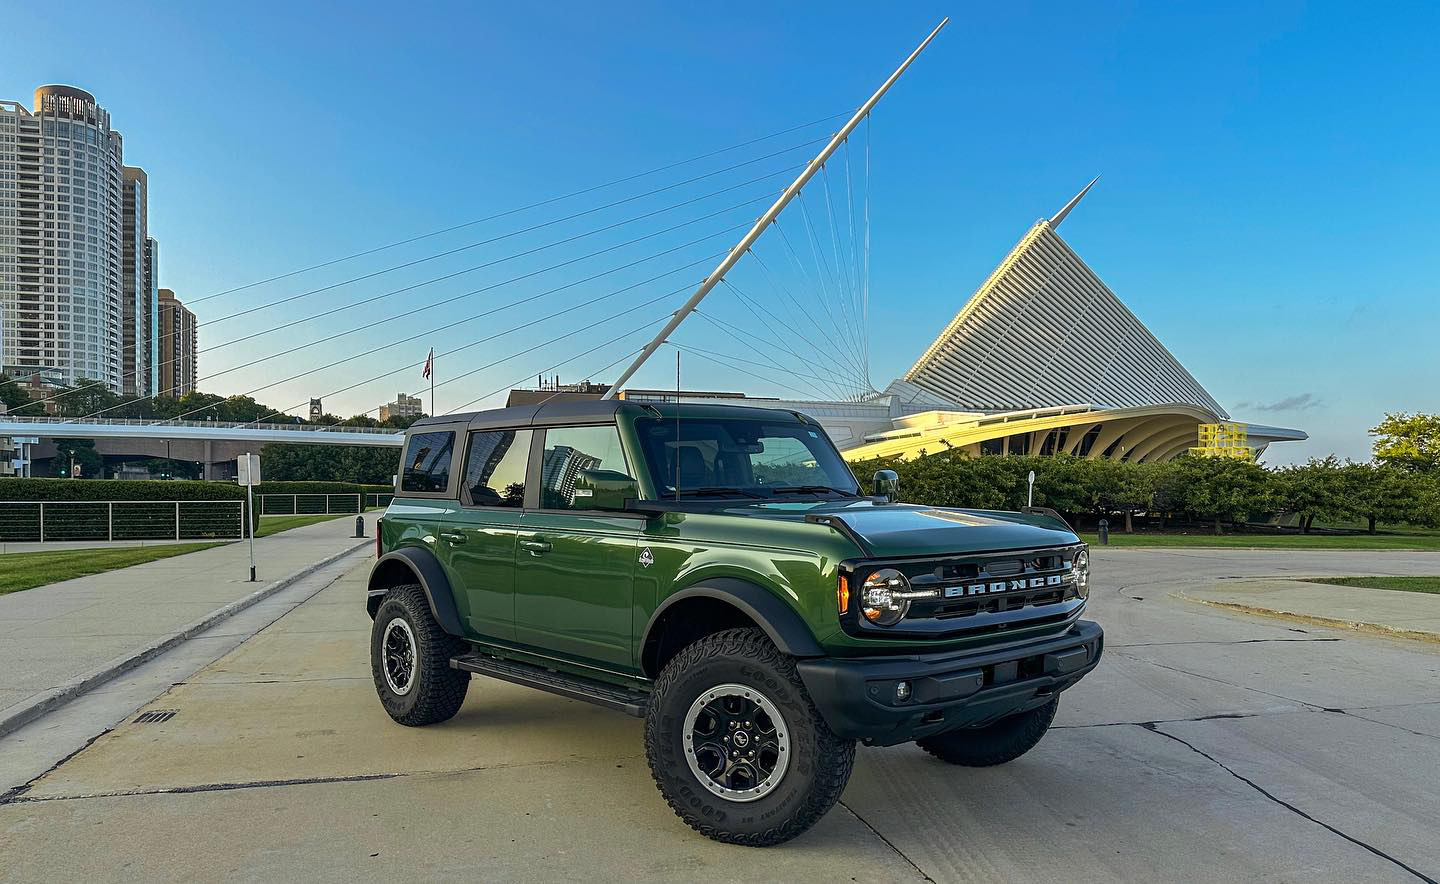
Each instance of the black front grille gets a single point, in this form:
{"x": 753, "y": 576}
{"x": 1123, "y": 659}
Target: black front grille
{"x": 976, "y": 594}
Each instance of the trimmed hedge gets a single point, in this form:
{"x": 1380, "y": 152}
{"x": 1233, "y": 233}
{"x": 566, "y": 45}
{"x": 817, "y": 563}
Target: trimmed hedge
{"x": 117, "y": 489}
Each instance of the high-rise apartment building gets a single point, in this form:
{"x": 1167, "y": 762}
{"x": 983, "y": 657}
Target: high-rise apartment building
{"x": 138, "y": 278}
{"x": 176, "y": 365}
{"x": 62, "y": 240}
{"x": 151, "y": 327}
{"x": 403, "y": 406}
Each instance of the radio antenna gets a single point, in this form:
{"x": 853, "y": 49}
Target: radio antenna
{"x": 677, "y": 424}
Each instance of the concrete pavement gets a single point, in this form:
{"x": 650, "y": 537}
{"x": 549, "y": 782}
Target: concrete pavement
{"x": 1209, "y": 745}
{"x": 60, "y": 639}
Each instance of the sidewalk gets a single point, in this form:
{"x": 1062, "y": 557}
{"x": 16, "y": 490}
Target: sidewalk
{"x": 55, "y": 640}
{"x": 1394, "y": 612}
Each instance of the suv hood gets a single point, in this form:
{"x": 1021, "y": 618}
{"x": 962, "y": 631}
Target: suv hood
{"x": 906, "y": 530}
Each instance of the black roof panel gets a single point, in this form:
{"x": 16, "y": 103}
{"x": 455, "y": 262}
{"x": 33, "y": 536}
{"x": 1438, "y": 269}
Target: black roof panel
{"x": 568, "y": 412}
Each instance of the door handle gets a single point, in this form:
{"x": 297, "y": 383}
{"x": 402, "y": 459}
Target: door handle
{"x": 538, "y": 546}
{"x": 452, "y": 537}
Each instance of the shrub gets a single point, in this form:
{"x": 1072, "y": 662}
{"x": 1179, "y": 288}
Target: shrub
{"x": 138, "y": 489}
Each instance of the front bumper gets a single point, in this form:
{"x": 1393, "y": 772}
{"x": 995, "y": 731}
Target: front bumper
{"x": 947, "y": 691}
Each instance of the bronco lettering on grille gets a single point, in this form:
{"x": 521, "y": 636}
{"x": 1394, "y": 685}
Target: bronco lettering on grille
{"x": 1017, "y": 585}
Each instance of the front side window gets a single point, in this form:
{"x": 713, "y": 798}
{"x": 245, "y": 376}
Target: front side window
{"x": 742, "y": 457}
{"x": 427, "y": 463}
{"x": 577, "y": 462}
{"x": 495, "y": 468}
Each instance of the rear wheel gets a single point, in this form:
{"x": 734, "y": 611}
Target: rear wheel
{"x": 1005, "y": 740}
{"x": 410, "y": 660}
{"x": 737, "y": 747}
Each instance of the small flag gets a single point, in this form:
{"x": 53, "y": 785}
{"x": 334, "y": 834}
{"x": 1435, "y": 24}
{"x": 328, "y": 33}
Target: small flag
{"x": 429, "y": 362}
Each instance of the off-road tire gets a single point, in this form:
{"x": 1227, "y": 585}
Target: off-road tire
{"x": 436, "y": 690}
{"x": 1005, "y": 740}
{"x": 819, "y": 762}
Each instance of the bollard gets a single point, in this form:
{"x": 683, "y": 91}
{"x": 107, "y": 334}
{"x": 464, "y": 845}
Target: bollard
{"x": 359, "y": 526}
{"x": 1104, "y": 532}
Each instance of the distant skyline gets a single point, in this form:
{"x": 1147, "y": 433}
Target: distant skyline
{"x": 1266, "y": 205}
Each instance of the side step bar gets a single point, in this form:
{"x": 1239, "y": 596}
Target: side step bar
{"x": 572, "y": 686}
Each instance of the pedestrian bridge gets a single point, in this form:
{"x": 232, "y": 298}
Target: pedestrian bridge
{"x": 212, "y": 444}
{"x": 196, "y": 431}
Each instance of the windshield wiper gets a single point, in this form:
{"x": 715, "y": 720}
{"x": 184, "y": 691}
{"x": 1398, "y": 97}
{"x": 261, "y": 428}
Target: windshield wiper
{"x": 811, "y": 489}
{"x": 718, "y": 491}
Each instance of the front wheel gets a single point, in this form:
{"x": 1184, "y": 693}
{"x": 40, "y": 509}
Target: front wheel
{"x": 1005, "y": 740}
{"x": 410, "y": 660}
{"x": 737, "y": 747}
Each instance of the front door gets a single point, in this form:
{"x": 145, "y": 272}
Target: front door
{"x": 575, "y": 565}
{"x": 479, "y": 539}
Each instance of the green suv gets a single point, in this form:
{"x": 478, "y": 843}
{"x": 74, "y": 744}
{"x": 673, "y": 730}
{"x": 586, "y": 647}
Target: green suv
{"x": 716, "y": 571}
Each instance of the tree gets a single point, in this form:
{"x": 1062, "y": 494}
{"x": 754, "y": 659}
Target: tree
{"x": 330, "y": 463}
{"x": 1221, "y": 489}
{"x": 1382, "y": 493}
{"x": 1409, "y": 441}
{"x": 80, "y": 452}
{"x": 87, "y": 397}
{"x": 12, "y": 396}
{"x": 1318, "y": 488}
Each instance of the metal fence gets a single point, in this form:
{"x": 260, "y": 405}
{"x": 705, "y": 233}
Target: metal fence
{"x": 375, "y": 501}
{"x": 54, "y": 520}
{"x": 306, "y": 504}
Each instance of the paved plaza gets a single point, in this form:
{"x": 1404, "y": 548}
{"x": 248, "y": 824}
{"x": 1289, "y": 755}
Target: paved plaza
{"x": 1209, "y": 745}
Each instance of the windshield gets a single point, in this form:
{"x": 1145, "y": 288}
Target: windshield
{"x": 741, "y": 457}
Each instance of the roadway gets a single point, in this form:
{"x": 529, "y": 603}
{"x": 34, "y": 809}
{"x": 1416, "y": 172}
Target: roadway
{"x": 1209, "y": 745}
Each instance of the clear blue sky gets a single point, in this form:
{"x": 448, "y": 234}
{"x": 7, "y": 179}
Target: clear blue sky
{"x": 1268, "y": 201}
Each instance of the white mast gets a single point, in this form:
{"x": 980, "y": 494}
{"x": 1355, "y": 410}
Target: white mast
{"x": 746, "y": 241}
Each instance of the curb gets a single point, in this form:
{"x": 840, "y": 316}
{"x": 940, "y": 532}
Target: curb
{"x": 59, "y": 696}
{"x": 1365, "y": 626}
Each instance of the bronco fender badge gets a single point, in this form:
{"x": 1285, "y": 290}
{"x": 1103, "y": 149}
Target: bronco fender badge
{"x": 647, "y": 558}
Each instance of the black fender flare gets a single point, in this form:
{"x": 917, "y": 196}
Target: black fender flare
{"x": 431, "y": 576}
{"x": 781, "y": 623}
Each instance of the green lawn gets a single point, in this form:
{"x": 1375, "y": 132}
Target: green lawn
{"x": 1407, "y": 584}
{"x": 1200, "y": 539}
{"x": 275, "y": 524}
{"x": 31, "y": 569}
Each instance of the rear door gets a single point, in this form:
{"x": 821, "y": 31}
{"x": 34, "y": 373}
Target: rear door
{"x": 479, "y": 538}
{"x": 575, "y": 565}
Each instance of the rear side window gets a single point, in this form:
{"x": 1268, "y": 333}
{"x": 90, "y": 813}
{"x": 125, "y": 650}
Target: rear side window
{"x": 495, "y": 468}
{"x": 579, "y": 455}
{"x": 427, "y": 463}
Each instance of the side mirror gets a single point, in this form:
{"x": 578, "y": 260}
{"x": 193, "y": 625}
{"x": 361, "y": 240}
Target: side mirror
{"x": 604, "y": 490}
{"x": 887, "y": 485}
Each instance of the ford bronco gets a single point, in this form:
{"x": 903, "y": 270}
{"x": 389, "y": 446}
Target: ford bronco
{"x": 716, "y": 571}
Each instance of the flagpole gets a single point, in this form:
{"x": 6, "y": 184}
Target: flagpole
{"x": 432, "y": 381}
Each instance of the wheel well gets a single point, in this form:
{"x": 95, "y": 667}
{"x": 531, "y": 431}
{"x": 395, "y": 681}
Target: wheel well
{"x": 388, "y": 575}
{"x": 684, "y": 623}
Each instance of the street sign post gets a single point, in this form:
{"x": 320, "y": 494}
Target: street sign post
{"x": 247, "y": 471}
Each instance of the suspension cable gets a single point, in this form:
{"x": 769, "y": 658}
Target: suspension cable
{"x": 754, "y": 311}
{"x": 414, "y": 365}
{"x": 454, "y": 324}
{"x": 374, "y": 298}
{"x": 443, "y": 278}
{"x": 517, "y": 210}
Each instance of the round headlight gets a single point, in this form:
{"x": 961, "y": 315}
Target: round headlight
{"x": 882, "y": 598}
{"x": 1082, "y": 573}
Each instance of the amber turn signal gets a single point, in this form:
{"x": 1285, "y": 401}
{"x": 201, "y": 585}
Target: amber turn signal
{"x": 842, "y": 594}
